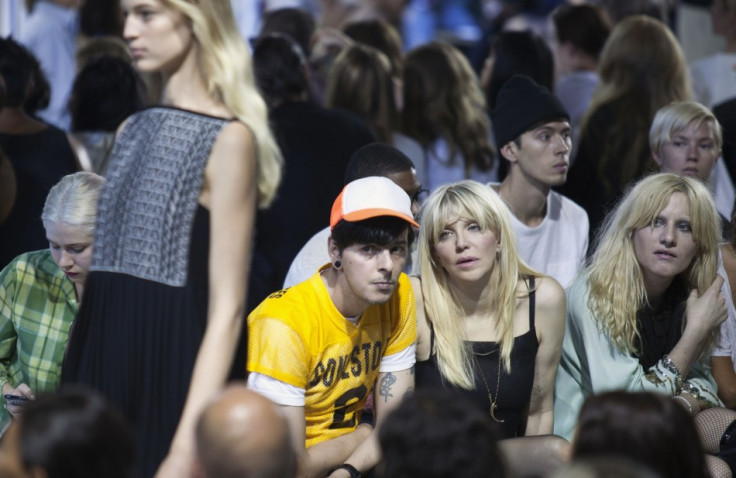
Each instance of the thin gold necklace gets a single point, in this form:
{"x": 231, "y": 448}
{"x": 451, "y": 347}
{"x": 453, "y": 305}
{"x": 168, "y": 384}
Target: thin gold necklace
{"x": 493, "y": 402}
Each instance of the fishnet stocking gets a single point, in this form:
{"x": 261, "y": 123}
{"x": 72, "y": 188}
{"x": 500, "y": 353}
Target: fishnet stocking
{"x": 711, "y": 423}
{"x": 717, "y": 467}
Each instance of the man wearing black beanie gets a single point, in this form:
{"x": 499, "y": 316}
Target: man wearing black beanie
{"x": 532, "y": 131}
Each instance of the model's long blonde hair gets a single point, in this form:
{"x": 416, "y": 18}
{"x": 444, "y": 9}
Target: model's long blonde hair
{"x": 470, "y": 200}
{"x": 225, "y": 64}
{"x": 616, "y": 281}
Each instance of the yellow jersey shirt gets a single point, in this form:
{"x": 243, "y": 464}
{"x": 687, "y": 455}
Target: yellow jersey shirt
{"x": 298, "y": 336}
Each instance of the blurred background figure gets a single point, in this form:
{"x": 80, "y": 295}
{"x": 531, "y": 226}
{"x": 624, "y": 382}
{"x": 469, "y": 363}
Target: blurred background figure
{"x": 361, "y": 82}
{"x": 445, "y": 111}
{"x": 39, "y": 154}
{"x": 714, "y": 78}
{"x": 614, "y": 140}
{"x": 580, "y": 31}
{"x": 106, "y": 91}
{"x": 50, "y": 33}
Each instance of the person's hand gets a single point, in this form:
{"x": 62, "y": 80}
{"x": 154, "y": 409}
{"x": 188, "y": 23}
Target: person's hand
{"x": 16, "y": 408}
{"x": 177, "y": 464}
{"x": 705, "y": 313}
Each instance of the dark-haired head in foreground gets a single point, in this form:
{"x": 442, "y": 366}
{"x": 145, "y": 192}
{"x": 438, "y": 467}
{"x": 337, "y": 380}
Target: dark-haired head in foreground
{"x": 72, "y": 433}
{"x": 437, "y": 434}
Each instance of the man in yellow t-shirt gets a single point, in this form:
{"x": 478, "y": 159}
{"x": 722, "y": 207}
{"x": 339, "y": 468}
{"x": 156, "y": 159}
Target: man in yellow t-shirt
{"x": 319, "y": 347}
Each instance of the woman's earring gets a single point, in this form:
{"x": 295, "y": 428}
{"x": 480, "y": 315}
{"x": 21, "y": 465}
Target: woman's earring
{"x": 337, "y": 264}
{"x": 498, "y": 253}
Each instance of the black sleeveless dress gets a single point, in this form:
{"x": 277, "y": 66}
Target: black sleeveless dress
{"x": 144, "y": 312}
{"x": 514, "y": 391}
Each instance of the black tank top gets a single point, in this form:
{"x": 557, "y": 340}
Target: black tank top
{"x": 514, "y": 390}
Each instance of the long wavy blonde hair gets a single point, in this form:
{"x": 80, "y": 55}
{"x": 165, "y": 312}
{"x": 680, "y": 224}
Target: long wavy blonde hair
{"x": 615, "y": 277}
{"x": 470, "y": 200}
{"x": 225, "y": 64}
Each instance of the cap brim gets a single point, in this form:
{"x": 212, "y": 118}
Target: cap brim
{"x": 364, "y": 214}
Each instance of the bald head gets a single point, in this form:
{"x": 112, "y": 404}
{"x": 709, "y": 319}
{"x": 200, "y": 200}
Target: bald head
{"x": 243, "y": 434}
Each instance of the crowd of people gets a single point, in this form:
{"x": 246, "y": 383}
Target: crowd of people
{"x": 315, "y": 253}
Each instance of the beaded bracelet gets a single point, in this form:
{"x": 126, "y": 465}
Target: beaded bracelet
{"x": 684, "y": 400}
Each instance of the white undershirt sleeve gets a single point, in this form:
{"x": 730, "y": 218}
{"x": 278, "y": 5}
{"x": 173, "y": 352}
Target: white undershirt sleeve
{"x": 399, "y": 361}
{"x": 277, "y": 391}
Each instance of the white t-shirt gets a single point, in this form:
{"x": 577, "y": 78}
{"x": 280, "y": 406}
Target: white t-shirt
{"x": 722, "y": 187}
{"x": 310, "y": 258}
{"x": 727, "y": 344}
{"x": 714, "y": 78}
{"x": 558, "y": 245}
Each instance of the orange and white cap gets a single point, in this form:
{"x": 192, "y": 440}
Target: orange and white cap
{"x": 370, "y": 197}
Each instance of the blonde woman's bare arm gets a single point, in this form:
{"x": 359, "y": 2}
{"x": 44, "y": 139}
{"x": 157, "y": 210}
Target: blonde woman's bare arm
{"x": 230, "y": 194}
{"x": 550, "y": 327}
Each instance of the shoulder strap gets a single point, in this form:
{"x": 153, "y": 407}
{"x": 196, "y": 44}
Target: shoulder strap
{"x": 532, "y": 306}
{"x": 431, "y": 339}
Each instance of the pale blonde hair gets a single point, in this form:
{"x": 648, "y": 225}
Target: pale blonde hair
{"x": 225, "y": 64}
{"x": 470, "y": 200}
{"x": 677, "y": 116}
{"x": 73, "y": 201}
{"x": 615, "y": 278}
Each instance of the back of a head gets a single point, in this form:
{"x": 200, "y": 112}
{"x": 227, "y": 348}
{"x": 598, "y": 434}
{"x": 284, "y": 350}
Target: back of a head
{"x": 243, "y": 434}
{"x": 298, "y": 24}
{"x": 16, "y": 69}
{"x": 646, "y": 427}
{"x": 658, "y": 71}
{"x": 103, "y": 46}
{"x": 523, "y": 53}
{"x": 437, "y": 434}
{"x": 382, "y": 36}
{"x": 360, "y": 82}
{"x": 376, "y": 159}
{"x": 280, "y": 68}
{"x": 76, "y": 433}
{"x": 430, "y": 83}
{"x": 584, "y": 26}
{"x": 443, "y": 99}
{"x": 106, "y": 91}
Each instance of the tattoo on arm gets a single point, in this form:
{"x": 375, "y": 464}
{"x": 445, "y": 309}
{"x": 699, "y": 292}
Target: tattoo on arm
{"x": 411, "y": 371}
{"x": 385, "y": 387}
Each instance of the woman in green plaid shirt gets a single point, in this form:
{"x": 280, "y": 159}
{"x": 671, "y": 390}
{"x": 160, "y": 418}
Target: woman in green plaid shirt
{"x": 40, "y": 293}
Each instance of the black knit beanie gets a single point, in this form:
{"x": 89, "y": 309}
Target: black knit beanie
{"x": 521, "y": 104}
